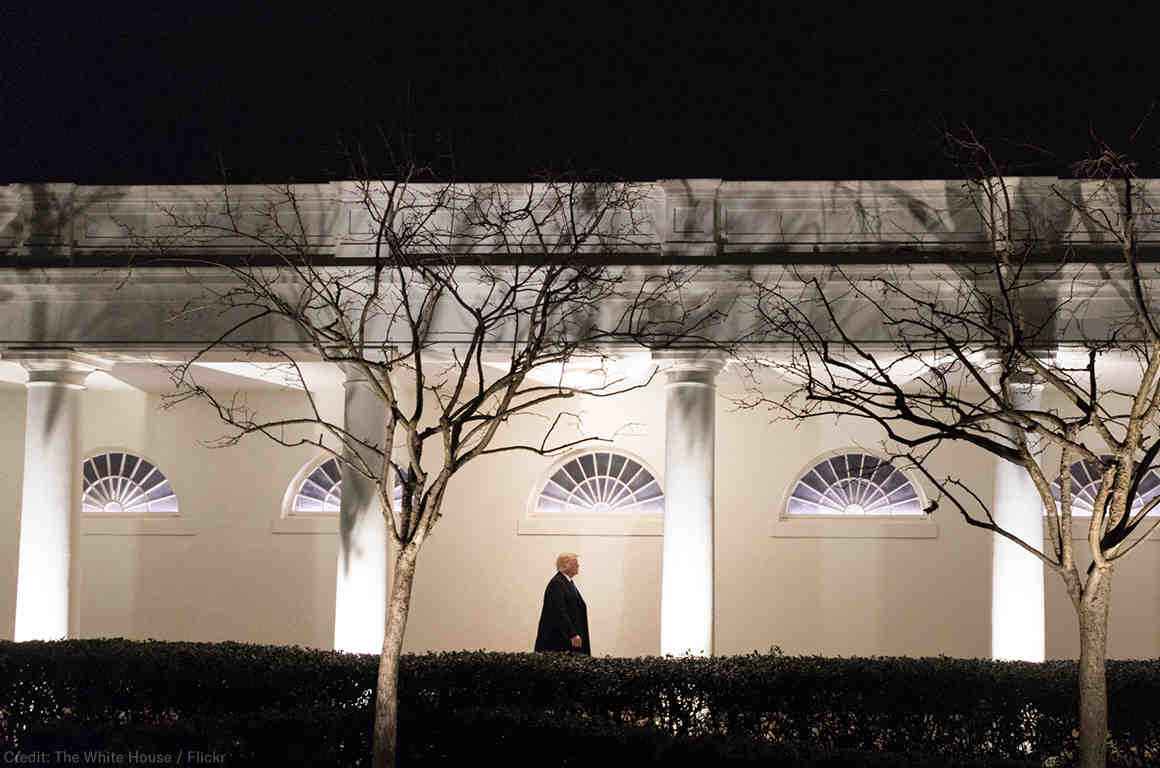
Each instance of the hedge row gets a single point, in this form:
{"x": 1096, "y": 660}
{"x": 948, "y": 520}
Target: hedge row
{"x": 248, "y": 700}
{"x": 469, "y": 736}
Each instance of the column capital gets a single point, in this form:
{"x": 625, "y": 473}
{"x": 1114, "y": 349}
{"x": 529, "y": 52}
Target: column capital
{"x": 354, "y": 373}
{"x": 65, "y": 367}
{"x": 1023, "y": 384}
{"x": 1023, "y": 380}
{"x": 699, "y": 366}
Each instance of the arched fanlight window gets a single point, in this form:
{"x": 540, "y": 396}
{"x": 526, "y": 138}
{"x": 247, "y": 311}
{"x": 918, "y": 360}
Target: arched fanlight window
{"x": 1085, "y": 486}
{"x": 854, "y": 484}
{"x": 319, "y": 491}
{"x": 121, "y": 483}
{"x": 600, "y": 482}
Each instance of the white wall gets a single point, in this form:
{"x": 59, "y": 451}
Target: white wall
{"x": 235, "y": 579}
{"x": 480, "y": 584}
{"x": 837, "y": 596}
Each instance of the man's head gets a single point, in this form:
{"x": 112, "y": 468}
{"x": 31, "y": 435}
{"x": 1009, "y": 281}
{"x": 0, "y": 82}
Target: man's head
{"x": 568, "y": 563}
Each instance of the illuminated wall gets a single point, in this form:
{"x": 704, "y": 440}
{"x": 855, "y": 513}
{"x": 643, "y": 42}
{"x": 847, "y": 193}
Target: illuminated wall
{"x": 480, "y": 582}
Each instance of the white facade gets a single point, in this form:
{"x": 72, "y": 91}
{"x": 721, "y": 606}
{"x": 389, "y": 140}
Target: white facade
{"x": 737, "y": 578}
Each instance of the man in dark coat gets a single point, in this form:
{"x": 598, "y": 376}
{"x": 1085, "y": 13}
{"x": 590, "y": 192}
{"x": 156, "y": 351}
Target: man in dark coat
{"x": 564, "y": 617}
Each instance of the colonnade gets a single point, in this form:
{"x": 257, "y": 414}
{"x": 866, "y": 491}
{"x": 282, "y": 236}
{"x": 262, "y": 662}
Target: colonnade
{"x": 687, "y": 564}
{"x": 49, "y": 517}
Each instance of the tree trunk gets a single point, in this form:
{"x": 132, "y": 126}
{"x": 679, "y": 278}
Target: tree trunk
{"x": 386, "y": 735}
{"x": 1093, "y": 683}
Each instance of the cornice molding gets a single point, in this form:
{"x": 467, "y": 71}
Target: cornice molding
{"x": 687, "y": 218}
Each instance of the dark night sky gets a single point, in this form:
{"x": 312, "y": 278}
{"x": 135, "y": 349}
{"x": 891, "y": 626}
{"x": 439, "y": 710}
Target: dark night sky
{"x": 113, "y": 94}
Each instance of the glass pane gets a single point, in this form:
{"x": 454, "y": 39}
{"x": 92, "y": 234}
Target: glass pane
{"x": 602, "y": 460}
{"x": 908, "y": 508}
{"x": 564, "y": 480}
{"x": 168, "y": 504}
{"x": 632, "y": 470}
{"x": 797, "y": 507}
{"x": 550, "y": 507}
{"x": 102, "y": 463}
{"x": 587, "y": 492}
{"x": 574, "y": 472}
{"x": 313, "y": 490}
{"x": 883, "y": 471}
{"x": 1085, "y": 472}
{"x": 826, "y": 473}
{"x": 588, "y": 464}
{"x": 304, "y": 504}
{"x": 619, "y": 494}
{"x": 815, "y": 481}
{"x": 130, "y": 465}
{"x": 650, "y": 491}
{"x": 838, "y": 464}
{"x": 803, "y": 491}
{"x": 640, "y": 481}
{"x": 904, "y": 491}
{"x": 319, "y": 478}
{"x": 144, "y": 469}
{"x": 554, "y": 491}
{"x": 616, "y": 465}
{"x": 896, "y": 480}
{"x": 161, "y": 491}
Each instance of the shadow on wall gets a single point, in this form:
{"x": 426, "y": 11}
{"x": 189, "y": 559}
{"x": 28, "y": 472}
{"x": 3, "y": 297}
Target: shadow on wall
{"x": 43, "y": 233}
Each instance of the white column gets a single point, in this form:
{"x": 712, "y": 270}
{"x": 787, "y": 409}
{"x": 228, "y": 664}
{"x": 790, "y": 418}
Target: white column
{"x": 360, "y": 600}
{"x": 1018, "y": 618}
{"x": 48, "y": 565}
{"x": 687, "y": 565}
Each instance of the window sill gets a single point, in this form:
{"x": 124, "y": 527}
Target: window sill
{"x": 136, "y": 525}
{"x": 634, "y": 525}
{"x": 837, "y": 528}
{"x": 306, "y": 524}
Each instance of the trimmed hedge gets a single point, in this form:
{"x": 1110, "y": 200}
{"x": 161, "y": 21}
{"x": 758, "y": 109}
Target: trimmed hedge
{"x": 251, "y": 702}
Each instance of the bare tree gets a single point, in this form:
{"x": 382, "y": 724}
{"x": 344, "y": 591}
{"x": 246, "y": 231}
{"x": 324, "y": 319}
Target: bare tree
{"x": 462, "y": 294}
{"x": 937, "y": 353}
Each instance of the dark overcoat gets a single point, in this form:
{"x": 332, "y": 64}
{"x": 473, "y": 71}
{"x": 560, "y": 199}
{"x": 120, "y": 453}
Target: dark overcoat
{"x": 563, "y": 616}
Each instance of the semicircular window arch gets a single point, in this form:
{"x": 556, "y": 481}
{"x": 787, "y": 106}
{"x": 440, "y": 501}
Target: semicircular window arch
{"x": 600, "y": 482}
{"x": 317, "y": 489}
{"x": 119, "y": 482}
{"x": 1085, "y": 486}
{"x": 854, "y": 484}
